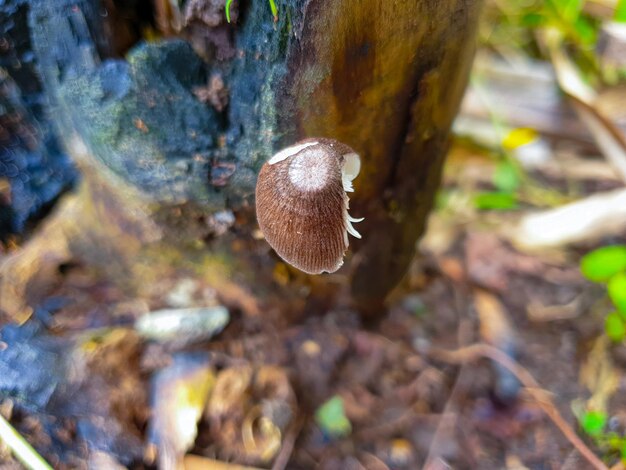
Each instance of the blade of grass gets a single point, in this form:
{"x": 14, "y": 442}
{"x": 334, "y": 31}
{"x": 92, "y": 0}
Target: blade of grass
{"x": 274, "y": 9}
{"x": 21, "y": 449}
{"x": 227, "y": 8}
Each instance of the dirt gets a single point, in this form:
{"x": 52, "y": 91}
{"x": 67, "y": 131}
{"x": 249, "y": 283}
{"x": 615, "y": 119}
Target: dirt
{"x": 394, "y": 397}
{"x": 405, "y": 406}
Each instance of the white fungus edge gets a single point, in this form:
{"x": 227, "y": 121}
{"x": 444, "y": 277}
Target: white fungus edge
{"x": 351, "y": 230}
{"x": 349, "y": 171}
{"x": 348, "y": 224}
{"x": 289, "y": 151}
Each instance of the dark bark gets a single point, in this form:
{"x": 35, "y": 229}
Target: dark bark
{"x": 33, "y": 169}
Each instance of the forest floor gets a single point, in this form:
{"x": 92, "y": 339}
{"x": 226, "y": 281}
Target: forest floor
{"x": 329, "y": 391}
{"x": 492, "y": 354}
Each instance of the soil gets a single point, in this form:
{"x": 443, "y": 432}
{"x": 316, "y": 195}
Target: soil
{"x": 406, "y": 407}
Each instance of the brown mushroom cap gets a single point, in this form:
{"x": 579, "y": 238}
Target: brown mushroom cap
{"x": 302, "y": 206}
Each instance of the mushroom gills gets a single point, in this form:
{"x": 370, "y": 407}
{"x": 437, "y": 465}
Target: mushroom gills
{"x": 351, "y": 230}
{"x": 350, "y": 169}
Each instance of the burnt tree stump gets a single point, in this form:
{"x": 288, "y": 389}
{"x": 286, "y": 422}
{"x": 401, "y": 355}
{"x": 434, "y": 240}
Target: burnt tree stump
{"x": 170, "y": 137}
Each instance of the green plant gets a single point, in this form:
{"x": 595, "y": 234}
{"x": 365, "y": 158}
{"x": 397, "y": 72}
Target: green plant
{"x": 617, "y": 292}
{"x": 272, "y": 7}
{"x": 620, "y": 12}
{"x": 607, "y": 265}
{"x": 495, "y": 200}
{"x": 602, "y": 264}
{"x": 593, "y": 423}
{"x": 331, "y": 418}
{"x": 508, "y": 175}
{"x": 514, "y": 28}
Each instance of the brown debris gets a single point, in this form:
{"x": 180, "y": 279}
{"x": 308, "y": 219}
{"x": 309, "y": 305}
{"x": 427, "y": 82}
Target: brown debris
{"x": 206, "y": 27}
{"x": 209, "y": 12}
{"x": 249, "y": 412}
{"x": 214, "y": 93}
{"x": 490, "y": 262}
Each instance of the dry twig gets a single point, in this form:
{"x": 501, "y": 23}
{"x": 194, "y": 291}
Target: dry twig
{"x": 22, "y": 450}
{"x": 481, "y": 350}
{"x": 449, "y": 415}
{"x": 282, "y": 459}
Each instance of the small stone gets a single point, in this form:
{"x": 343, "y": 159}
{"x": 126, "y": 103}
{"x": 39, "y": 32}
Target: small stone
{"x": 183, "y": 325}
{"x": 310, "y": 348}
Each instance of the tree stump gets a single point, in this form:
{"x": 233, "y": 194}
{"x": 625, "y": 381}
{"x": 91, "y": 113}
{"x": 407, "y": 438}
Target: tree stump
{"x": 169, "y": 143}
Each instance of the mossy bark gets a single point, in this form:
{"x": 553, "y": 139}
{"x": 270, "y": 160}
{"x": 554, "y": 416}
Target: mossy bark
{"x": 162, "y": 171}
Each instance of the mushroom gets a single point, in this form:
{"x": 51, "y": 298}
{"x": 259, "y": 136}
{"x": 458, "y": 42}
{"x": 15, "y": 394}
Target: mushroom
{"x": 302, "y": 205}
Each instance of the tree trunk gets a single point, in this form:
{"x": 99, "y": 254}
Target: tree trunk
{"x": 169, "y": 180}
{"x": 33, "y": 169}
{"x": 386, "y": 78}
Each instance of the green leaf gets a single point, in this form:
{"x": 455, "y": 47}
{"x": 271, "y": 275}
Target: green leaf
{"x": 332, "y": 419}
{"x": 602, "y": 264}
{"x": 519, "y": 137}
{"x": 614, "y": 327}
{"x": 613, "y": 440}
{"x": 532, "y": 20}
{"x": 585, "y": 30}
{"x": 495, "y": 201}
{"x": 593, "y": 422}
{"x": 506, "y": 177}
{"x": 620, "y": 12}
{"x": 617, "y": 292}
{"x": 442, "y": 198}
{"x": 569, "y": 9}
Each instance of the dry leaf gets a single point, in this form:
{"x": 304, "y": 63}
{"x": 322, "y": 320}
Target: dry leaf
{"x": 599, "y": 375}
{"x": 179, "y": 396}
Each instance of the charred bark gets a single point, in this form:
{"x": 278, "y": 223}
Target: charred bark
{"x": 33, "y": 168}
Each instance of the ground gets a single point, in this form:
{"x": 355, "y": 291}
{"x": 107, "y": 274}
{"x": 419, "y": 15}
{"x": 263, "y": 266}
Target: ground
{"x": 267, "y": 375}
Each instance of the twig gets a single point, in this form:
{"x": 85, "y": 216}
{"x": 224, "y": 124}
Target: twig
{"x": 607, "y": 135}
{"x": 449, "y": 412}
{"x": 477, "y": 351}
{"x": 282, "y": 459}
{"x": 21, "y": 449}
